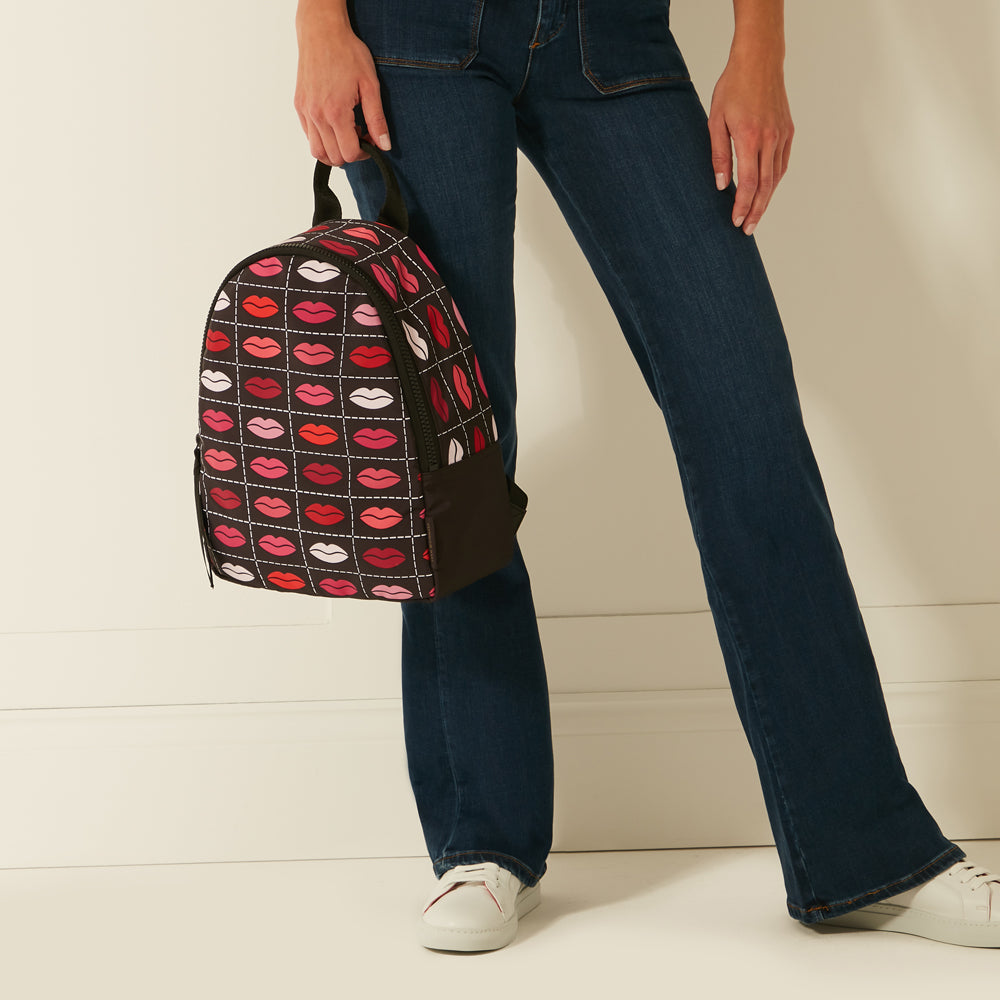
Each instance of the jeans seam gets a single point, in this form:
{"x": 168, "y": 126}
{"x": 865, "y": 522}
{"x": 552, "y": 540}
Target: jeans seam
{"x": 442, "y": 702}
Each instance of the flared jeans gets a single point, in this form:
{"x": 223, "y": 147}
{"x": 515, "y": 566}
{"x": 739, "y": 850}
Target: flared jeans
{"x": 596, "y": 95}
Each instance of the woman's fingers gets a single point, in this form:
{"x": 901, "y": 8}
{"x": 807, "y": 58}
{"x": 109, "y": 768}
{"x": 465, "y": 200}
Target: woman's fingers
{"x": 371, "y": 108}
{"x": 722, "y": 150}
{"x": 754, "y": 194}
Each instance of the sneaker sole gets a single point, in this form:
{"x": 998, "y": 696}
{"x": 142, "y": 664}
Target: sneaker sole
{"x": 472, "y": 939}
{"x": 905, "y": 920}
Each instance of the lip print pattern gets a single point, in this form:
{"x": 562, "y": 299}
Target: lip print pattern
{"x": 313, "y": 354}
{"x": 479, "y": 378}
{"x": 313, "y": 312}
{"x": 287, "y": 581}
{"x": 322, "y": 473}
{"x": 376, "y": 438}
{"x": 221, "y": 460}
{"x": 438, "y": 326}
{"x": 265, "y": 427}
{"x": 260, "y": 306}
{"x": 383, "y": 558}
{"x": 216, "y": 381}
{"x": 324, "y": 513}
{"x": 216, "y": 340}
{"x": 222, "y": 303}
{"x": 237, "y": 572}
{"x": 217, "y": 420}
{"x": 318, "y": 271}
{"x": 407, "y": 279}
{"x": 438, "y": 401}
{"x": 455, "y": 451}
{"x": 328, "y": 552}
{"x": 269, "y": 468}
{"x": 417, "y": 343}
{"x": 363, "y": 233}
{"x": 385, "y": 280}
{"x": 313, "y": 395}
{"x": 370, "y": 356}
{"x": 272, "y": 507}
{"x": 268, "y": 267}
{"x": 337, "y": 247}
{"x": 366, "y": 315}
{"x": 478, "y": 439}
{"x": 423, "y": 257}
{"x": 380, "y": 517}
{"x": 262, "y": 388}
{"x": 262, "y": 347}
{"x": 338, "y": 588}
{"x": 231, "y": 537}
{"x": 226, "y": 499}
{"x": 392, "y": 593}
{"x": 462, "y": 387}
{"x": 371, "y": 398}
{"x": 377, "y": 479}
{"x": 277, "y": 545}
{"x": 458, "y": 316}
{"x": 321, "y": 434}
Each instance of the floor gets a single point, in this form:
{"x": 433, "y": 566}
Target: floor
{"x": 696, "y": 923}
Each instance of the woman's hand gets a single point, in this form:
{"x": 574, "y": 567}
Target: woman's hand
{"x": 750, "y": 112}
{"x": 336, "y": 73}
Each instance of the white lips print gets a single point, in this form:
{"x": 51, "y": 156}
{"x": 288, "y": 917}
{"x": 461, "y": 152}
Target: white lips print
{"x": 455, "y": 451}
{"x": 318, "y": 270}
{"x": 328, "y": 552}
{"x": 222, "y": 302}
{"x": 371, "y": 398}
{"x": 416, "y": 342}
{"x": 237, "y": 572}
{"x": 216, "y": 381}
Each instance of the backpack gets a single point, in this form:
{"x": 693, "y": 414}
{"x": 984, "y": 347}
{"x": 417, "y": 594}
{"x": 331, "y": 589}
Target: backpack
{"x": 346, "y": 446}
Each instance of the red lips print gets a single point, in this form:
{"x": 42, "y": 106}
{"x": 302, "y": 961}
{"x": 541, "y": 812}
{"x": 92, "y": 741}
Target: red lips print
{"x": 216, "y": 340}
{"x": 277, "y": 545}
{"x": 320, "y": 472}
{"x": 383, "y": 558}
{"x": 323, "y": 513}
{"x": 287, "y": 581}
{"x": 426, "y": 260}
{"x": 321, "y": 434}
{"x": 313, "y": 395}
{"x": 339, "y": 588}
{"x": 438, "y": 400}
{"x": 260, "y": 306}
{"x": 221, "y": 460}
{"x": 229, "y": 536}
{"x": 272, "y": 507}
{"x": 313, "y": 354}
{"x": 375, "y": 438}
{"x": 370, "y": 356}
{"x": 337, "y": 247}
{"x": 268, "y": 267}
{"x": 269, "y": 468}
{"x": 262, "y": 388}
{"x": 362, "y": 233}
{"x": 383, "y": 277}
{"x": 318, "y": 229}
{"x": 478, "y": 439}
{"x": 462, "y": 387}
{"x": 380, "y": 517}
{"x": 479, "y": 378}
{"x": 377, "y": 479}
{"x": 438, "y": 326}
{"x": 313, "y": 312}
{"x": 217, "y": 420}
{"x": 406, "y": 278}
{"x": 262, "y": 347}
{"x": 226, "y": 499}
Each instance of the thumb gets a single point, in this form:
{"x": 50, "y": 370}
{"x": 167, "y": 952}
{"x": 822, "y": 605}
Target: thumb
{"x": 722, "y": 150}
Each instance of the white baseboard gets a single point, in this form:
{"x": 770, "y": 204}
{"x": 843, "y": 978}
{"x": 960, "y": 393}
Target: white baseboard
{"x": 299, "y": 780}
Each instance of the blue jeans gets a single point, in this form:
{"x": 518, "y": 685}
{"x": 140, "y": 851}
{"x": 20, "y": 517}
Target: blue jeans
{"x": 596, "y": 95}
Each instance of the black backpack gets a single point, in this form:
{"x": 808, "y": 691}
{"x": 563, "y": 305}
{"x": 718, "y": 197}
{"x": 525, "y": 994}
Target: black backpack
{"x": 346, "y": 446}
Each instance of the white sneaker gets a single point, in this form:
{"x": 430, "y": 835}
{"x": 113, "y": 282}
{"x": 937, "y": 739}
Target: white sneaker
{"x": 959, "y": 906}
{"x": 475, "y": 908}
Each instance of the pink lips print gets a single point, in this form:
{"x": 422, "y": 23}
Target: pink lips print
{"x": 383, "y": 558}
{"x": 314, "y": 312}
{"x": 313, "y": 395}
{"x": 363, "y": 233}
{"x": 229, "y": 536}
{"x": 385, "y": 280}
{"x": 337, "y": 247}
{"x": 262, "y": 388}
{"x": 339, "y": 588}
{"x": 438, "y": 326}
{"x": 260, "y": 306}
{"x": 375, "y": 438}
{"x": 266, "y": 268}
{"x": 392, "y": 593}
{"x": 265, "y": 427}
{"x": 479, "y": 378}
{"x": 425, "y": 259}
{"x": 380, "y": 517}
{"x": 438, "y": 400}
{"x": 370, "y": 356}
{"x": 262, "y": 347}
{"x": 277, "y": 545}
{"x": 272, "y": 507}
{"x": 366, "y": 314}
{"x": 322, "y": 473}
{"x": 269, "y": 468}
{"x": 406, "y": 278}
{"x": 313, "y": 354}
{"x": 221, "y": 460}
{"x": 458, "y": 315}
{"x": 287, "y": 581}
{"x": 377, "y": 479}
{"x": 462, "y": 387}
{"x": 226, "y": 499}
{"x": 217, "y": 420}
{"x": 216, "y": 340}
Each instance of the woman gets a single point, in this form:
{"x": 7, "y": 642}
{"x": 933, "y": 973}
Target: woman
{"x": 597, "y": 96}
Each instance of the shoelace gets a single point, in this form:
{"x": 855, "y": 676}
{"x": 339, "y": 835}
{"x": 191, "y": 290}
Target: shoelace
{"x": 967, "y": 874}
{"x": 485, "y": 873}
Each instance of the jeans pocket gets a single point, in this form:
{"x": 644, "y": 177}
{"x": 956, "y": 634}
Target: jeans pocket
{"x": 628, "y": 43}
{"x": 433, "y": 34}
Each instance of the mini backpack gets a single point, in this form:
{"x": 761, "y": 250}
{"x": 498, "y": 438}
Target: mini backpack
{"x": 346, "y": 446}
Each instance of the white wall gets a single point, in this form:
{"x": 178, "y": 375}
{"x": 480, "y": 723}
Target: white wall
{"x": 148, "y": 718}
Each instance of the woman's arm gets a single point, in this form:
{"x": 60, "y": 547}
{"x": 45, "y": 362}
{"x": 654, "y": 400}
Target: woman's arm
{"x": 336, "y": 73}
{"x": 750, "y": 110}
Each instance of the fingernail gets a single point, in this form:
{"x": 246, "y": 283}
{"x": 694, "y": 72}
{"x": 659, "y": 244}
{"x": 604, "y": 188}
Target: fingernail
{"x": 383, "y": 142}
{"x": 739, "y": 221}
{"x": 720, "y": 181}
{"x": 749, "y": 230}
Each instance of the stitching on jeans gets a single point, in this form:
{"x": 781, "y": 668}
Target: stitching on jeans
{"x": 471, "y": 54}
